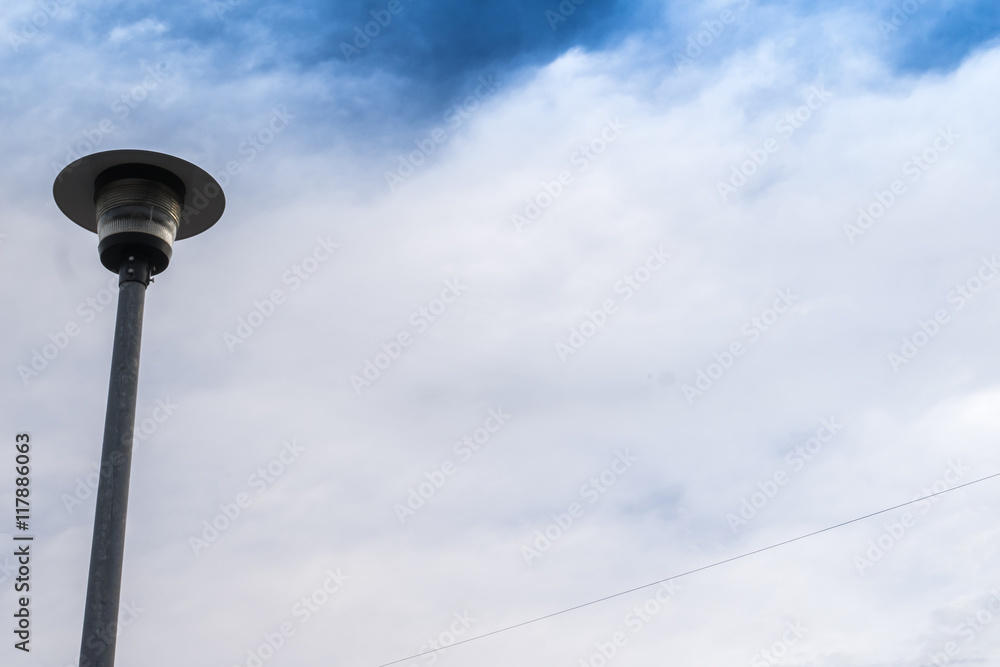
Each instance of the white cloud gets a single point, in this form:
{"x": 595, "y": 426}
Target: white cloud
{"x": 654, "y": 185}
{"x": 147, "y": 26}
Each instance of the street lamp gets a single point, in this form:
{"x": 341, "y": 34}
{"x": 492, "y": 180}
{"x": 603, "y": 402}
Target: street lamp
{"x": 138, "y": 203}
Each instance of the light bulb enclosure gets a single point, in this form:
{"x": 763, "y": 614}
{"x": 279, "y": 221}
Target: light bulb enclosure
{"x": 138, "y": 202}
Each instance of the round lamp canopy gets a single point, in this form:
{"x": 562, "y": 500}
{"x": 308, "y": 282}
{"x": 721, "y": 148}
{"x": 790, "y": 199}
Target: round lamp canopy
{"x": 138, "y": 202}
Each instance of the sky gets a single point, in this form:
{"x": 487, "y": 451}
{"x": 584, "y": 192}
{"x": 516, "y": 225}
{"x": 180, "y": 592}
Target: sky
{"x": 515, "y": 306}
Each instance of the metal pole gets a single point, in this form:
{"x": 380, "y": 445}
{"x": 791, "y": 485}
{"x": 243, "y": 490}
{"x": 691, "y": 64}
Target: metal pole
{"x": 100, "y": 619}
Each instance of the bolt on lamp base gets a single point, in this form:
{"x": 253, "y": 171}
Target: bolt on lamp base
{"x": 118, "y": 247}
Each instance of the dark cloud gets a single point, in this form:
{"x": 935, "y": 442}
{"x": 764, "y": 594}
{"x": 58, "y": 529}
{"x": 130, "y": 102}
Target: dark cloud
{"x": 444, "y": 41}
{"x": 936, "y": 40}
{"x": 431, "y": 51}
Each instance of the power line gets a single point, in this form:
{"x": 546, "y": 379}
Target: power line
{"x": 697, "y": 569}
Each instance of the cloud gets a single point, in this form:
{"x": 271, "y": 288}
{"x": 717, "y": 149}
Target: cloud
{"x": 139, "y": 29}
{"x": 800, "y": 111}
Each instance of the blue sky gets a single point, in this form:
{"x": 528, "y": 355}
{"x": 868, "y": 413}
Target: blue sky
{"x": 503, "y": 318}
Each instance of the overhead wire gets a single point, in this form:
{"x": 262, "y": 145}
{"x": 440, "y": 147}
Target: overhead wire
{"x": 689, "y": 572}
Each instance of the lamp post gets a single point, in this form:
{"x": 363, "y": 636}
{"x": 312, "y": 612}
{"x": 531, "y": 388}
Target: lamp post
{"x": 138, "y": 203}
